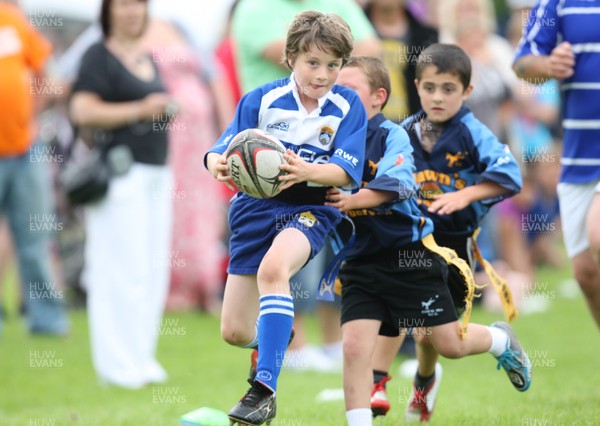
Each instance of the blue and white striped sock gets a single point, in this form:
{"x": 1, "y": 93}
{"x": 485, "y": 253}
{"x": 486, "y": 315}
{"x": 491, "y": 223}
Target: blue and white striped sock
{"x": 275, "y": 326}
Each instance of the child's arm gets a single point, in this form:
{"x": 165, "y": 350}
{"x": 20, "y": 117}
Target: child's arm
{"x": 451, "y": 202}
{"x": 393, "y": 181}
{"x": 497, "y": 173}
{"x": 363, "y": 199}
{"x": 217, "y": 166}
{"x": 301, "y": 171}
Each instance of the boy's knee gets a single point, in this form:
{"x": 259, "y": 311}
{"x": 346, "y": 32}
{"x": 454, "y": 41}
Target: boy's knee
{"x": 588, "y": 277}
{"x": 234, "y": 335}
{"x": 354, "y": 347}
{"x": 448, "y": 349}
{"x": 273, "y": 275}
{"x": 594, "y": 242}
{"x": 451, "y": 352}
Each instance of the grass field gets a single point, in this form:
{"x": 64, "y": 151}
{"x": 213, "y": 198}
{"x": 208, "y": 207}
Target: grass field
{"x": 45, "y": 381}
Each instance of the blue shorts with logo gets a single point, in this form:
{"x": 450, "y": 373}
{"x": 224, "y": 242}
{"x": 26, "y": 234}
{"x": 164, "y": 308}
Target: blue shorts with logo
{"x": 254, "y": 224}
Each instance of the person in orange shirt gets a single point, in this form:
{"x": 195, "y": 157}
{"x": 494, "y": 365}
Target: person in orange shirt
{"x": 25, "y": 193}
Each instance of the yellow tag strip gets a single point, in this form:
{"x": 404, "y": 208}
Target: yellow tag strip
{"x": 452, "y": 258}
{"x": 499, "y": 283}
{"x": 337, "y": 287}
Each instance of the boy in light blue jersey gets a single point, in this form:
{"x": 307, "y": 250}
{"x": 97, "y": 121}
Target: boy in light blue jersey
{"x": 562, "y": 41}
{"x": 396, "y": 276}
{"x": 323, "y": 127}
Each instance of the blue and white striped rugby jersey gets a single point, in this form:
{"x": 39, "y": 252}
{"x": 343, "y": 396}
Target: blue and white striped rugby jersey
{"x": 578, "y": 22}
{"x": 335, "y": 132}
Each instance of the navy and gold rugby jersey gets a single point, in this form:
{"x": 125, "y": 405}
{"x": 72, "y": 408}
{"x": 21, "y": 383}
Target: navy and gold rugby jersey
{"x": 389, "y": 167}
{"x": 466, "y": 153}
{"x": 332, "y": 133}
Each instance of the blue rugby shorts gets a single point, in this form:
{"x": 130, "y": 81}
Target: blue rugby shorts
{"x": 254, "y": 224}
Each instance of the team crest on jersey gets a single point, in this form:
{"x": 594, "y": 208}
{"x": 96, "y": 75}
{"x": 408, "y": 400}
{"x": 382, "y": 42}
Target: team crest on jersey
{"x": 373, "y": 166}
{"x": 307, "y": 219}
{"x": 455, "y": 159}
{"x": 326, "y": 135}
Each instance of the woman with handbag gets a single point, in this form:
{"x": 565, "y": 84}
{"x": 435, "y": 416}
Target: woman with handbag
{"x": 120, "y": 95}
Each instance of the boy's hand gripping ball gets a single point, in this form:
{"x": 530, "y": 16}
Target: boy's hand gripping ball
{"x": 253, "y": 158}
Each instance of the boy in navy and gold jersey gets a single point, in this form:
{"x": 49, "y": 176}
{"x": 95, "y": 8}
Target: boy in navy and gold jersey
{"x": 395, "y": 276}
{"x": 461, "y": 170}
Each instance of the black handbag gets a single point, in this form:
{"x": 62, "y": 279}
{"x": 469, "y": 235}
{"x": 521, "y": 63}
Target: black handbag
{"x": 87, "y": 180}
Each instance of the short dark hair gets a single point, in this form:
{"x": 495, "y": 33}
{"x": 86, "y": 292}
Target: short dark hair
{"x": 376, "y": 72}
{"x": 105, "y": 16}
{"x": 447, "y": 58}
{"x": 326, "y": 31}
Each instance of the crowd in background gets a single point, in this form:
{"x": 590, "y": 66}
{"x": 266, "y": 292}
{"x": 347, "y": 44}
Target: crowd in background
{"x": 205, "y": 82}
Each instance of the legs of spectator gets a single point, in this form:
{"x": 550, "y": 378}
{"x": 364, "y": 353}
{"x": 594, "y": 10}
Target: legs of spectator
{"x": 587, "y": 274}
{"x": 126, "y": 275}
{"x": 513, "y": 245}
{"x": 28, "y": 208}
{"x": 6, "y": 257}
{"x": 579, "y": 208}
{"x": 546, "y": 251}
{"x": 587, "y": 264}
{"x": 159, "y": 201}
{"x": 593, "y": 226}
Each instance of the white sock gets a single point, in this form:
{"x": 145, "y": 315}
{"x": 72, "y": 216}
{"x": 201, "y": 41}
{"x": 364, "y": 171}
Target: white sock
{"x": 359, "y": 417}
{"x": 500, "y": 341}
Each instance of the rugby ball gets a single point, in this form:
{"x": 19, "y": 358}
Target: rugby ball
{"x": 253, "y": 158}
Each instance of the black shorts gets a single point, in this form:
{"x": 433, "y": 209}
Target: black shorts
{"x": 402, "y": 288}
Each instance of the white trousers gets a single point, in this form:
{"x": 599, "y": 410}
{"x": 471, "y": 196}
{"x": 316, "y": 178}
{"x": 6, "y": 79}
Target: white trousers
{"x": 128, "y": 239}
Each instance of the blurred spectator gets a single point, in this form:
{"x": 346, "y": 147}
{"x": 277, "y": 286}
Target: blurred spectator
{"x": 25, "y": 192}
{"x": 205, "y": 103}
{"x": 403, "y": 38}
{"x": 528, "y": 229}
{"x": 119, "y": 94}
{"x": 427, "y": 12}
{"x": 225, "y": 53}
{"x": 259, "y": 28}
{"x": 471, "y": 24}
{"x": 205, "y": 108}
{"x": 528, "y": 222}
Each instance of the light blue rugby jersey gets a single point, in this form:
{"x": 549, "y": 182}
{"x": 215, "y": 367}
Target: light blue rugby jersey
{"x": 334, "y": 132}
{"x": 578, "y": 22}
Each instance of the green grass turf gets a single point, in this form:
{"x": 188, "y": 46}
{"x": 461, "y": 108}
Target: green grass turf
{"x": 45, "y": 381}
